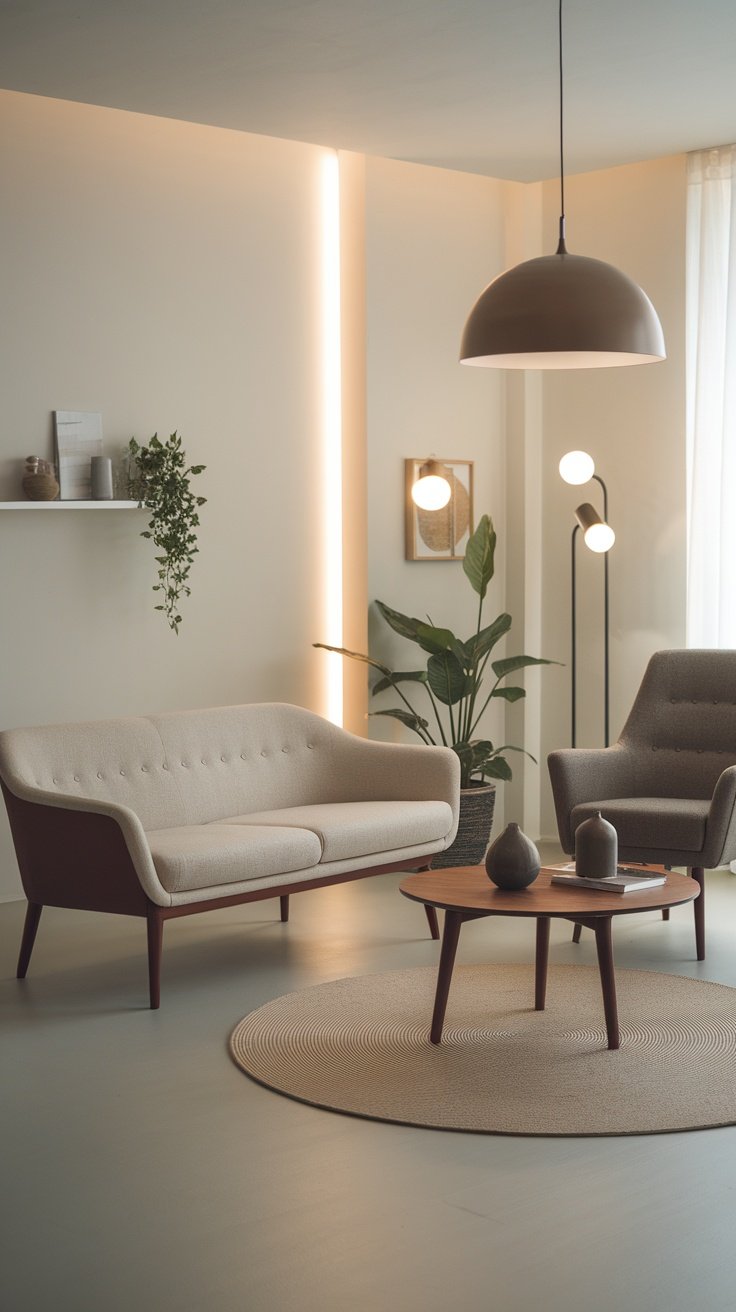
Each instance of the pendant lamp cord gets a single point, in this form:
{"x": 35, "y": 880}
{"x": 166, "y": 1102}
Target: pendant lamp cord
{"x": 561, "y": 248}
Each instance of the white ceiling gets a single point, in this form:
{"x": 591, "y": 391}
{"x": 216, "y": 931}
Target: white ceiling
{"x": 465, "y": 84}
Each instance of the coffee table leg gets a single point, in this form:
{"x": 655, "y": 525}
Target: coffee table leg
{"x": 450, "y": 936}
{"x": 608, "y": 981}
{"x": 540, "y": 974}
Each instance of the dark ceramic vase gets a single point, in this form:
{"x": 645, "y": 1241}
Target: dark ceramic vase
{"x": 596, "y": 848}
{"x": 512, "y": 861}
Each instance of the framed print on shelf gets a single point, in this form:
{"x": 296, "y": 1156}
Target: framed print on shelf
{"x": 440, "y": 534}
{"x": 78, "y": 436}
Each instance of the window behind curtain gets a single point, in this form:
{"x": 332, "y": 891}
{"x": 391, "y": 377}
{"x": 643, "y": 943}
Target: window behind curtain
{"x": 711, "y": 398}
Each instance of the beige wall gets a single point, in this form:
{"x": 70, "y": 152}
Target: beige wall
{"x": 167, "y": 275}
{"x": 632, "y": 421}
{"x": 434, "y": 238}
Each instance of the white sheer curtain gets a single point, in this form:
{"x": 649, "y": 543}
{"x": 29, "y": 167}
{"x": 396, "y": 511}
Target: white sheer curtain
{"x": 711, "y": 397}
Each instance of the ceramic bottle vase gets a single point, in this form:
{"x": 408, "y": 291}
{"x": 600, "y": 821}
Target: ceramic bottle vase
{"x": 596, "y": 848}
{"x": 512, "y": 862}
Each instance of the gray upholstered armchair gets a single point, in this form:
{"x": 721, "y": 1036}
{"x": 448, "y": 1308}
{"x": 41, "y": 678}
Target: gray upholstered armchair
{"x": 669, "y": 784}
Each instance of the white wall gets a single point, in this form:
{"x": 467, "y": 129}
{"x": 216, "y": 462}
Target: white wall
{"x": 167, "y": 275}
{"x": 434, "y": 238}
{"x": 632, "y": 421}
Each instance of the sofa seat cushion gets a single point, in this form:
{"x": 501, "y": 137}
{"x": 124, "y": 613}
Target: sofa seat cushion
{"x": 200, "y": 856}
{"x": 347, "y": 830}
{"x": 665, "y": 823}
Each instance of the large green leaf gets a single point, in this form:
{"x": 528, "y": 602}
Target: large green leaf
{"x": 478, "y": 561}
{"x": 511, "y": 663}
{"x": 425, "y": 635}
{"x": 480, "y": 643}
{"x": 447, "y": 679}
{"x": 472, "y": 755}
{"x": 399, "y": 676}
{"x": 414, "y": 722}
{"x": 509, "y": 694}
{"x": 497, "y": 768}
{"x": 355, "y": 656}
{"x": 507, "y": 747}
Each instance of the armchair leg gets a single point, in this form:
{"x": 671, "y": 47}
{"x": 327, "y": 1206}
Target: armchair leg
{"x": 577, "y": 931}
{"x": 698, "y": 874}
{"x": 33, "y": 915}
{"x": 665, "y": 913}
{"x": 434, "y": 928}
{"x": 284, "y": 900}
{"x": 155, "y": 927}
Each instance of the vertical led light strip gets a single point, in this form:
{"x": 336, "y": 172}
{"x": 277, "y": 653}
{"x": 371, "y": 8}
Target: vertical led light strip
{"x": 332, "y": 431}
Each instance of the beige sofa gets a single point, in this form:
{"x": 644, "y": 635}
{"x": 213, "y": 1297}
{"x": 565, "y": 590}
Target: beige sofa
{"x": 165, "y": 815}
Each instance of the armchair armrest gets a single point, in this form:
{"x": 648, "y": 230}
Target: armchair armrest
{"x": 582, "y": 774}
{"x": 61, "y": 837}
{"x": 720, "y": 842}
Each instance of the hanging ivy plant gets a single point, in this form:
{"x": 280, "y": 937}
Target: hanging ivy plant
{"x": 158, "y": 479}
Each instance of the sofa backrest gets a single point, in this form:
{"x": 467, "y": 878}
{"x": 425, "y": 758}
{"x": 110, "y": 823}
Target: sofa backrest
{"x": 237, "y": 759}
{"x": 184, "y": 767}
{"x": 682, "y": 726}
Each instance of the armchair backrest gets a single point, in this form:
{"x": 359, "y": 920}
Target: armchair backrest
{"x": 682, "y": 726}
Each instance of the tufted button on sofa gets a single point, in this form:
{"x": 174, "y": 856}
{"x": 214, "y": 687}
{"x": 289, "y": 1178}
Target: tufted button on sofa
{"x": 165, "y": 815}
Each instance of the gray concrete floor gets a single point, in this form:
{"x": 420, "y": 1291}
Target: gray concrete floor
{"x": 141, "y": 1170}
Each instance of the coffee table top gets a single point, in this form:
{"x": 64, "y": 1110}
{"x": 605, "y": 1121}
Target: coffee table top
{"x": 468, "y": 888}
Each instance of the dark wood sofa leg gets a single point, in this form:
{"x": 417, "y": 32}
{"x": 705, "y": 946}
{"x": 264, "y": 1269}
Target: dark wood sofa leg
{"x": 284, "y": 908}
{"x": 698, "y": 874}
{"x": 434, "y": 928}
{"x": 577, "y": 931}
{"x": 155, "y": 926}
{"x": 665, "y": 913}
{"x": 33, "y": 915}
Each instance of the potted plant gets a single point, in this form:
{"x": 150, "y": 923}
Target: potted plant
{"x": 158, "y": 478}
{"x": 459, "y": 687}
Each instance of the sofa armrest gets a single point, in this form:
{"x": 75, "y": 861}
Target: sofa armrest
{"x": 57, "y": 835}
{"x": 720, "y": 843}
{"x": 377, "y": 771}
{"x": 587, "y": 774}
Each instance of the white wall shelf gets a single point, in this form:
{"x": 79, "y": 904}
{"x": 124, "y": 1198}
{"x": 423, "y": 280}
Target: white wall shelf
{"x": 68, "y": 505}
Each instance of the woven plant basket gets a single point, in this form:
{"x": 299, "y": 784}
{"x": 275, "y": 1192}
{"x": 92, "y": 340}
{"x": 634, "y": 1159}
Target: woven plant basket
{"x": 474, "y": 830}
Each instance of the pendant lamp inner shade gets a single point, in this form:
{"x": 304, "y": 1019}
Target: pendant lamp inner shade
{"x": 562, "y": 311}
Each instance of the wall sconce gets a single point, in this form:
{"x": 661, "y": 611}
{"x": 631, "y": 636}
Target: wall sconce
{"x": 578, "y": 467}
{"x": 438, "y": 508}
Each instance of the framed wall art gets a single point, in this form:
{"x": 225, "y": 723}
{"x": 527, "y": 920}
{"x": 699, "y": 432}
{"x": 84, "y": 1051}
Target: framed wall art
{"x": 440, "y": 534}
{"x": 78, "y": 435}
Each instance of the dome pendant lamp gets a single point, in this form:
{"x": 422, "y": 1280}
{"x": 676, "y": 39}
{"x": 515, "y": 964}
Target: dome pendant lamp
{"x": 562, "y": 311}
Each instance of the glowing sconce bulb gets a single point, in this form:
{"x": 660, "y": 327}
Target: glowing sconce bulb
{"x": 577, "y": 467}
{"x": 598, "y": 535}
{"x": 432, "y": 490}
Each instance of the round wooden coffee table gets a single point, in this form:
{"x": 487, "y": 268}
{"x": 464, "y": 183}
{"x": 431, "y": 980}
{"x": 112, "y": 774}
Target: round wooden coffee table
{"x": 466, "y": 893}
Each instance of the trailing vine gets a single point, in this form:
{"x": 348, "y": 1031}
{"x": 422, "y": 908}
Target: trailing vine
{"x": 158, "y": 479}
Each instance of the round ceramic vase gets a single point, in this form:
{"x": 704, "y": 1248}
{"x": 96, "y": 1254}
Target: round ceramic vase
{"x": 512, "y": 862}
{"x": 596, "y": 848}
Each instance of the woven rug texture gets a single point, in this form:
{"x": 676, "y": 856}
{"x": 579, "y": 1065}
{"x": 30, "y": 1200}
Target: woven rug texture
{"x": 361, "y": 1046}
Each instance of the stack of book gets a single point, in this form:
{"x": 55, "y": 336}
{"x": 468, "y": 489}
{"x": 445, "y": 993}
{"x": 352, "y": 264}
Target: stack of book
{"x": 626, "y": 880}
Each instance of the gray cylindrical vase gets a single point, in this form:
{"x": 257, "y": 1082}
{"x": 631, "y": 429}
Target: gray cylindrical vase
{"x": 101, "y": 478}
{"x": 596, "y": 848}
{"x": 512, "y": 862}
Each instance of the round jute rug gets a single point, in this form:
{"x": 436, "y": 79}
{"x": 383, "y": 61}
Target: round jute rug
{"x": 361, "y": 1046}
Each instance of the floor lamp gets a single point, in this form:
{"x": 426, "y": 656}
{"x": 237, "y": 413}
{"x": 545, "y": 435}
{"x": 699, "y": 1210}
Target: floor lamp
{"x": 578, "y": 467}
